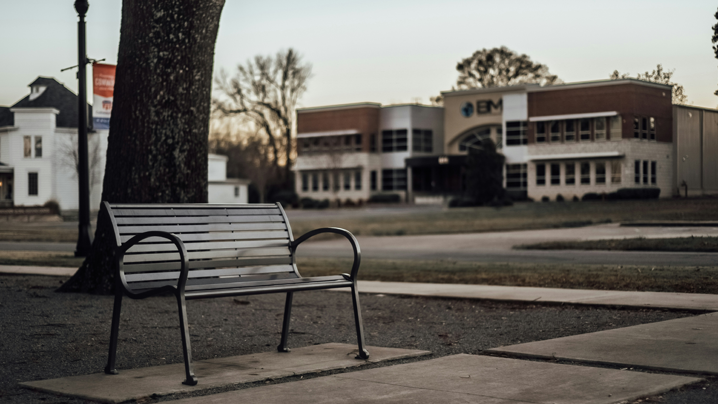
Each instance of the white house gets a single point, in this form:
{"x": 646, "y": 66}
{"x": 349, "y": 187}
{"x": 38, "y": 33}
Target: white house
{"x": 38, "y": 143}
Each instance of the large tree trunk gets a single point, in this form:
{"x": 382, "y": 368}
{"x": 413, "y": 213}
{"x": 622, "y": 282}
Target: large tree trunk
{"x": 157, "y": 146}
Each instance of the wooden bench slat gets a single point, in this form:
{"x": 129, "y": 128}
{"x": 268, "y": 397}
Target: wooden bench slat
{"x": 197, "y": 255}
{"x": 211, "y": 245}
{"x": 174, "y": 275}
{"x": 203, "y": 228}
{"x": 146, "y": 220}
{"x": 212, "y": 236}
{"x": 234, "y": 263}
{"x": 122, "y": 212}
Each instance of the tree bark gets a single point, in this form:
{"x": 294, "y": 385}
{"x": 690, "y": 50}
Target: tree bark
{"x": 157, "y": 146}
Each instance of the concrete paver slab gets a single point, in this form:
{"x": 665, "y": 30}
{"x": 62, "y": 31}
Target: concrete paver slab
{"x": 687, "y": 301}
{"x": 134, "y": 384}
{"x": 683, "y": 345}
{"x": 30, "y": 270}
{"x": 461, "y": 379}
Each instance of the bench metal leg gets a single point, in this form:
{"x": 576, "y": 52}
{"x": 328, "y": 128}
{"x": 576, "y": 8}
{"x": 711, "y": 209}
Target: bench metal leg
{"x": 285, "y": 324}
{"x": 186, "y": 348}
{"x": 363, "y": 353}
{"x": 110, "y": 368}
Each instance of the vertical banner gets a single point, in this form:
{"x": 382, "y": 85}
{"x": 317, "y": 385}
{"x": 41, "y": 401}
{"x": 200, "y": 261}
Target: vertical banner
{"x": 103, "y": 85}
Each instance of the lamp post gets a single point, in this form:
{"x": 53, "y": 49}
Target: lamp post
{"x": 84, "y": 243}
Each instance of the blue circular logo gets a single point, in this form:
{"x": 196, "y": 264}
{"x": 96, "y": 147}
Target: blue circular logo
{"x": 467, "y": 109}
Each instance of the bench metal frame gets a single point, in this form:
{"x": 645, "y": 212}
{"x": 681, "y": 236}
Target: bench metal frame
{"x": 178, "y": 289}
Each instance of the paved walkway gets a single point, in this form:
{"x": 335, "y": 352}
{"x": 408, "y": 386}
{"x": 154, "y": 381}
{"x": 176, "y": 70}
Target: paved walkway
{"x": 685, "y": 345}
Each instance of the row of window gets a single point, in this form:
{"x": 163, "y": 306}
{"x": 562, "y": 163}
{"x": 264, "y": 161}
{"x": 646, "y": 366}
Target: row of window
{"x": 328, "y": 144}
{"x": 586, "y": 129}
{"x": 644, "y": 127}
{"x": 391, "y": 180}
{"x": 577, "y": 175}
{"x": 28, "y": 149}
{"x": 644, "y": 170}
{"x": 395, "y": 140}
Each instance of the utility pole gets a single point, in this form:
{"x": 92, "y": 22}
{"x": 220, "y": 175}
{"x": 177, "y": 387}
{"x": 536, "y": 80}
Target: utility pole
{"x": 84, "y": 243}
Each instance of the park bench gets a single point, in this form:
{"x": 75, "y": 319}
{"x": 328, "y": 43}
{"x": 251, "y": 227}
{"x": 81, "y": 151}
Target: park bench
{"x": 199, "y": 251}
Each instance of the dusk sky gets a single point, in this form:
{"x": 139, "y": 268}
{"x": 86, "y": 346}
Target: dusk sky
{"x": 393, "y": 51}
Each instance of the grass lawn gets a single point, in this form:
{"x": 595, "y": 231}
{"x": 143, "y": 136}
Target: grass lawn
{"x": 569, "y": 276}
{"x": 686, "y": 244}
{"x": 521, "y": 216}
{"x": 603, "y": 277}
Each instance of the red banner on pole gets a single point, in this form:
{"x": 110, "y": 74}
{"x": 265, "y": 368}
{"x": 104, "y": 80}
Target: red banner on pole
{"x": 103, "y": 87}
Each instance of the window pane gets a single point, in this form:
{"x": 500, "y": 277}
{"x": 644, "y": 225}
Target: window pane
{"x": 516, "y": 133}
{"x": 616, "y": 127}
{"x": 555, "y": 131}
{"x": 570, "y": 130}
{"x": 387, "y": 141}
{"x": 428, "y": 141}
{"x": 600, "y": 173}
{"x": 416, "y": 140}
{"x": 636, "y": 131}
{"x": 516, "y": 176}
{"x": 555, "y": 174}
{"x": 540, "y": 174}
{"x": 27, "y": 146}
{"x": 357, "y": 180}
{"x": 305, "y": 182}
{"x": 616, "y": 172}
{"x": 585, "y": 173}
{"x": 570, "y": 173}
{"x": 645, "y": 172}
{"x": 400, "y": 140}
{"x": 372, "y": 180}
{"x": 38, "y": 146}
{"x": 540, "y": 132}
{"x": 315, "y": 182}
{"x": 585, "y": 129}
{"x": 637, "y": 171}
{"x": 325, "y": 182}
{"x": 653, "y": 172}
{"x": 32, "y": 184}
{"x": 600, "y": 128}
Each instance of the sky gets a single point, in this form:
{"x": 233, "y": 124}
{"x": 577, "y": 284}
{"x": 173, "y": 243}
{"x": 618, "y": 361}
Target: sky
{"x": 392, "y": 51}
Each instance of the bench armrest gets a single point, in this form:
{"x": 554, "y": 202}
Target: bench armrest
{"x": 184, "y": 262}
{"x": 336, "y": 230}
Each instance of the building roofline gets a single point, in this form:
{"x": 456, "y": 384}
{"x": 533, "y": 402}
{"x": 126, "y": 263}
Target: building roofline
{"x": 339, "y": 106}
{"x": 48, "y": 109}
{"x": 690, "y": 107}
{"x": 489, "y": 90}
{"x": 8, "y": 128}
{"x": 532, "y": 88}
{"x": 412, "y": 105}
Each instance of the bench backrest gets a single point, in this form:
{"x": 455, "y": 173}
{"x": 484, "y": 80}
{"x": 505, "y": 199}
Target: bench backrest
{"x": 222, "y": 240}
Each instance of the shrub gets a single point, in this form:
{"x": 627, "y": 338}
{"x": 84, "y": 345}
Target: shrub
{"x": 384, "y": 198}
{"x": 559, "y": 198}
{"x": 323, "y": 204}
{"x": 545, "y": 199}
{"x": 349, "y": 203}
{"x": 286, "y": 198}
{"x": 308, "y": 203}
{"x": 53, "y": 205}
{"x": 591, "y": 196}
{"x": 575, "y": 198}
{"x": 463, "y": 202}
{"x": 638, "y": 193}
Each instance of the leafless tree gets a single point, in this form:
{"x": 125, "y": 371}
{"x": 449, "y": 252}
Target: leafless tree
{"x": 69, "y": 157}
{"x": 658, "y": 76}
{"x": 499, "y": 67}
{"x": 265, "y": 91}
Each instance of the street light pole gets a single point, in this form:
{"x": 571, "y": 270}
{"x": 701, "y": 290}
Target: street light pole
{"x": 84, "y": 243}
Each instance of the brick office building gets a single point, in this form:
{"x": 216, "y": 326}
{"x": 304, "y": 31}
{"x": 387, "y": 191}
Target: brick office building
{"x": 568, "y": 140}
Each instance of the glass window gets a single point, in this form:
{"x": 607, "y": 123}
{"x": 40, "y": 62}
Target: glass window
{"x": 615, "y": 127}
{"x": 372, "y": 181}
{"x": 555, "y": 129}
{"x": 305, "y": 182}
{"x": 585, "y": 129}
{"x": 653, "y": 172}
{"x": 422, "y": 140}
{"x": 636, "y": 128}
{"x": 393, "y": 180}
{"x": 652, "y": 128}
{"x": 499, "y": 137}
{"x": 644, "y": 128}
{"x": 27, "y": 146}
{"x": 600, "y": 173}
{"x": 585, "y": 173}
{"x": 372, "y": 143}
{"x": 325, "y": 181}
{"x": 516, "y": 178}
{"x": 615, "y": 172}
{"x": 516, "y": 133}
{"x": 540, "y": 132}
{"x": 32, "y": 184}
{"x": 600, "y": 128}
{"x": 394, "y": 140}
{"x": 540, "y": 174}
{"x": 570, "y": 173}
{"x": 38, "y": 146}
{"x": 570, "y": 130}
{"x": 357, "y": 180}
{"x": 637, "y": 171}
{"x": 645, "y": 171}
{"x": 555, "y": 174}
{"x": 337, "y": 185}
{"x": 474, "y": 139}
{"x": 357, "y": 142}
{"x": 347, "y": 181}
{"x": 236, "y": 192}
{"x": 315, "y": 182}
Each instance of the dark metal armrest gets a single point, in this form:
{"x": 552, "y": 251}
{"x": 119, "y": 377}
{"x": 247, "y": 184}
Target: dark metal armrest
{"x": 184, "y": 268}
{"x": 336, "y": 230}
